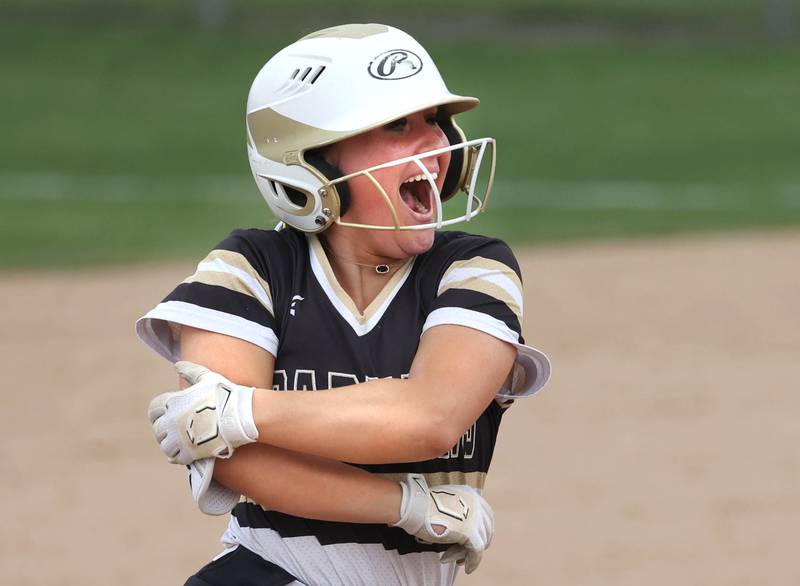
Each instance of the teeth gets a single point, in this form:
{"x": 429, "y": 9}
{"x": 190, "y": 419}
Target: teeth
{"x": 421, "y": 177}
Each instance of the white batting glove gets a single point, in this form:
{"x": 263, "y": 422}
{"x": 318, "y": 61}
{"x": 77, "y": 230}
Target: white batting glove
{"x": 211, "y": 497}
{"x": 450, "y": 513}
{"x": 206, "y": 420}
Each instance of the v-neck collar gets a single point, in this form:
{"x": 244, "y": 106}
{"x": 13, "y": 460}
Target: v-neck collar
{"x": 362, "y": 323}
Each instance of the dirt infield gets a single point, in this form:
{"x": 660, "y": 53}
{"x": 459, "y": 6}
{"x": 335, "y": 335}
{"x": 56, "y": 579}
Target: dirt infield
{"x": 665, "y": 451}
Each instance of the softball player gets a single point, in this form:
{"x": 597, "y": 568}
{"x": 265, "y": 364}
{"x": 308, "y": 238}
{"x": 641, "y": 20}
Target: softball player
{"x": 413, "y": 334}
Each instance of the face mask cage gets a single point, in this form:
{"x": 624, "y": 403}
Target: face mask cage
{"x": 475, "y": 153}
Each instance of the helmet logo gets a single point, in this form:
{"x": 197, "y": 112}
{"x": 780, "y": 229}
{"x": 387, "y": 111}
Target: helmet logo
{"x": 395, "y": 64}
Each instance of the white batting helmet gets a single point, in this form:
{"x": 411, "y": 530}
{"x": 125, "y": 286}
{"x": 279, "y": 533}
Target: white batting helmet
{"x": 337, "y": 83}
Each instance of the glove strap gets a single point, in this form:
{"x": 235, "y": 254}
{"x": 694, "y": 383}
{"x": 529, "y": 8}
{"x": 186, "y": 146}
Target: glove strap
{"x": 414, "y": 504}
{"x": 236, "y": 423}
{"x": 245, "y": 399}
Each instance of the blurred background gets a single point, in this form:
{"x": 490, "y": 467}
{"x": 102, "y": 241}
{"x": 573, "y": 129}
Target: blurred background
{"x": 123, "y": 120}
{"x": 648, "y": 177}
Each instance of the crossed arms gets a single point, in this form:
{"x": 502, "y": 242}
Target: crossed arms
{"x": 306, "y": 436}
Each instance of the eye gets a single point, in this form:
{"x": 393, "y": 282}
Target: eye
{"x": 432, "y": 120}
{"x": 398, "y": 124}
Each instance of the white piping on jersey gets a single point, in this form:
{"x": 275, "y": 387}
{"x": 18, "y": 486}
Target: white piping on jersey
{"x": 458, "y": 276}
{"x": 219, "y": 266}
{"x": 497, "y": 328}
{"x": 188, "y": 314}
{"x": 362, "y": 323}
{"x": 472, "y": 319}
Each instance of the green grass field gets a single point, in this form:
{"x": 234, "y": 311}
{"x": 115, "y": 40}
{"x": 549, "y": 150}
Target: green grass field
{"x": 535, "y": 9}
{"x": 128, "y": 145}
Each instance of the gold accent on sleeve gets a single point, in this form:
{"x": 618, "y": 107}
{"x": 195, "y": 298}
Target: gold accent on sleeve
{"x": 483, "y": 285}
{"x": 348, "y": 31}
{"x": 228, "y": 280}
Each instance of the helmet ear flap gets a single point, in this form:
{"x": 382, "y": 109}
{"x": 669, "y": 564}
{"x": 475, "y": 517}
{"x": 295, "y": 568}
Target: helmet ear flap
{"x": 295, "y": 196}
{"x": 317, "y": 160}
{"x": 457, "y": 170}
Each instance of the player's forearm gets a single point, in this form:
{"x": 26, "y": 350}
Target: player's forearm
{"x": 310, "y": 486}
{"x": 394, "y": 420}
{"x": 380, "y": 421}
{"x": 386, "y": 420}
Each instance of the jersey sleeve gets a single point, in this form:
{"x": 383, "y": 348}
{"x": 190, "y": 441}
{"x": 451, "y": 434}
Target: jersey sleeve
{"x": 229, "y": 294}
{"x": 481, "y": 288}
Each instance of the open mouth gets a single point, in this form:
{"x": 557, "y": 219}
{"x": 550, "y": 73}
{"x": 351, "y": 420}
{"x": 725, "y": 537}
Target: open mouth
{"x": 416, "y": 194}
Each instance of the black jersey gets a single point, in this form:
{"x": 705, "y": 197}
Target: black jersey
{"x": 278, "y": 291}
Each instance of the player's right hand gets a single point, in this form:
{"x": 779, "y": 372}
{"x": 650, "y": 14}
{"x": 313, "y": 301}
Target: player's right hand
{"x": 206, "y": 420}
{"x": 451, "y": 513}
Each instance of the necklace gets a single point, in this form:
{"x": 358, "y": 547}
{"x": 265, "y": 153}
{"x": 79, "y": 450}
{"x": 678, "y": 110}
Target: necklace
{"x": 381, "y": 269}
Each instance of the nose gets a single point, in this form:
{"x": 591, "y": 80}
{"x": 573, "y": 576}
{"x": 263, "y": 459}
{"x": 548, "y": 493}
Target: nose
{"x": 431, "y": 137}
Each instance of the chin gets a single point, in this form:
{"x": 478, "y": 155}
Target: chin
{"x": 414, "y": 242}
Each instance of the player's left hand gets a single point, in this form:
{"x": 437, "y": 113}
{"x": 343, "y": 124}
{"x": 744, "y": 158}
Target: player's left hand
{"x": 450, "y": 513}
{"x": 206, "y": 420}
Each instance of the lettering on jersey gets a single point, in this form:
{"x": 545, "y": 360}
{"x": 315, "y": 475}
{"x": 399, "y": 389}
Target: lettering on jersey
{"x": 279, "y": 381}
{"x": 464, "y": 448}
{"x": 341, "y": 379}
{"x": 306, "y": 379}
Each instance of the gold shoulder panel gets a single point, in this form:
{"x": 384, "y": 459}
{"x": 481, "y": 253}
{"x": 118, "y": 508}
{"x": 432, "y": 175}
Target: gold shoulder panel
{"x": 491, "y": 277}
{"x": 231, "y": 281}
